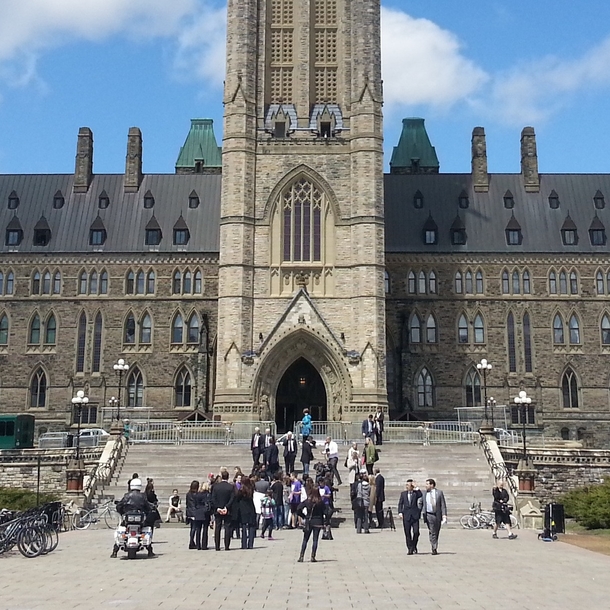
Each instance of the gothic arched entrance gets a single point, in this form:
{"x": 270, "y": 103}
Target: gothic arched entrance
{"x": 301, "y": 387}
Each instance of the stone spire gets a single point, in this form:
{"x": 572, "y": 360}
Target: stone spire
{"x": 480, "y": 177}
{"x": 529, "y": 160}
{"x": 83, "y": 171}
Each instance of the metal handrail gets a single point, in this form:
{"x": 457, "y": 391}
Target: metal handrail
{"x": 500, "y": 471}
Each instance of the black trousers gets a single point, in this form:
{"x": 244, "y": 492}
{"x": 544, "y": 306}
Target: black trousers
{"x": 220, "y": 521}
{"x": 332, "y": 462}
{"x": 307, "y": 535}
{"x": 256, "y": 455}
{"x": 411, "y": 527}
{"x": 378, "y": 438}
{"x": 379, "y": 513}
{"x": 199, "y": 534}
{"x": 289, "y": 463}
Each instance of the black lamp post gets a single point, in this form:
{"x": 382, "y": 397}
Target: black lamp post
{"x": 114, "y": 403}
{"x": 484, "y": 366}
{"x": 523, "y": 401}
{"x": 491, "y": 403}
{"x": 120, "y": 367}
{"x": 79, "y": 401}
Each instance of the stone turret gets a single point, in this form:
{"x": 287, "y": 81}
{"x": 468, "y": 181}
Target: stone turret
{"x": 83, "y": 171}
{"x": 480, "y": 177}
{"x": 133, "y": 161}
{"x": 529, "y": 160}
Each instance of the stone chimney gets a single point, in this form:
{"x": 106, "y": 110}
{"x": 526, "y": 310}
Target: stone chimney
{"x": 133, "y": 161}
{"x": 83, "y": 171}
{"x": 529, "y": 161}
{"x": 480, "y": 177}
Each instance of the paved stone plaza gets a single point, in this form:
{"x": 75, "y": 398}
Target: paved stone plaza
{"x": 354, "y": 571}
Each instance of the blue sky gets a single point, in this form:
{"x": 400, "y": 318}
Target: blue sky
{"x": 113, "y": 64}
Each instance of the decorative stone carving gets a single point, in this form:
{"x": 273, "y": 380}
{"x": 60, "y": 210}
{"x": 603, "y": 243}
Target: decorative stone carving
{"x": 248, "y": 357}
{"x": 353, "y": 357}
{"x": 265, "y": 410}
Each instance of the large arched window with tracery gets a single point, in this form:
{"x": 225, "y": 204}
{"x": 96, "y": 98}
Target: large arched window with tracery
{"x": 302, "y": 222}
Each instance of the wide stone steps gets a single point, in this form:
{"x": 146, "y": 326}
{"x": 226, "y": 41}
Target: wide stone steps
{"x": 460, "y": 470}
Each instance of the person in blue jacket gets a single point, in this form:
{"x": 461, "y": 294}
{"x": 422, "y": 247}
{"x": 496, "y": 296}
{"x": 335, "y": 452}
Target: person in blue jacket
{"x": 306, "y": 424}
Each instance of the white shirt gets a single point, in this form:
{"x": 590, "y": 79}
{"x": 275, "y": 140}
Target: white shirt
{"x": 430, "y": 501}
{"x": 331, "y": 449}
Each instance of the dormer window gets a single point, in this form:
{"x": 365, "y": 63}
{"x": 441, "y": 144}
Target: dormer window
{"x": 597, "y": 232}
{"x": 181, "y": 237}
{"x": 193, "y": 200}
{"x": 97, "y": 237}
{"x": 430, "y": 237}
{"x": 599, "y": 201}
{"x": 430, "y": 232}
{"x": 418, "y": 200}
{"x": 514, "y": 236}
{"x": 569, "y": 233}
{"x": 153, "y": 237}
{"x": 326, "y": 130}
{"x": 463, "y": 200}
{"x": 149, "y": 200}
{"x": 509, "y": 200}
{"x": 13, "y": 201}
{"x": 103, "y": 201}
{"x": 42, "y": 237}
{"x": 58, "y": 200}
{"x": 458, "y": 237}
{"x": 554, "y": 200}
{"x": 279, "y": 129}
{"x": 14, "y": 237}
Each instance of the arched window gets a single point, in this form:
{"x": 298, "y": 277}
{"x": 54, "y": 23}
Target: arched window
{"x": 1, "y": 283}
{"x": 421, "y": 288}
{"x": 479, "y": 282}
{"x": 57, "y": 283}
{"x": 516, "y": 282}
{"x": 146, "y": 330}
{"x": 193, "y": 329}
{"x": 135, "y": 388}
{"x": 512, "y": 352}
{"x": 38, "y": 390}
{"x": 527, "y": 342}
{"x": 36, "y": 283}
{"x": 4, "y": 330}
{"x": 431, "y": 336}
{"x": 97, "y": 343}
{"x": 198, "y": 283}
{"x": 432, "y": 282}
{"x": 458, "y": 283}
{"x": 34, "y": 334}
{"x": 605, "y": 330}
{"x": 473, "y": 389}
{"x": 82, "y": 283}
{"x": 463, "y": 330}
{"x": 302, "y": 205}
{"x": 93, "y": 282}
{"x": 386, "y": 279}
{"x": 415, "y": 329}
{"x": 411, "y": 286}
{"x": 565, "y": 434}
{"x": 140, "y": 284}
{"x": 104, "y": 282}
{"x": 46, "y": 283}
{"x": 81, "y": 343}
{"x": 527, "y": 289}
{"x": 129, "y": 334}
{"x": 425, "y": 389}
{"x": 599, "y": 283}
{"x": 479, "y": 329}
{"x": 569, "y": 390}
{"x": 177, "y": 329}
{"x": 50, "y": 331}
{"x": 150, "y": 282}
{"x": 130, "y": 282}
{"x": 573, "y": 283}
{"x": 468, "y": 282}
{"x": 558, "y": 337}
{"x": 552, "y": 283}
{"x": 10, "y": 283}
{"x": 177, "y": 282}
{"x": 182, "y": 389}
{"x": 574, "y": 330}
{"x": 563, "y": 283}
{"x": 505, "y": 284}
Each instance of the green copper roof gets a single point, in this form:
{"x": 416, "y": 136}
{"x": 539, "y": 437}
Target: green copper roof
{"x": 414, "y": 146}
{"x": 200, "y": 145}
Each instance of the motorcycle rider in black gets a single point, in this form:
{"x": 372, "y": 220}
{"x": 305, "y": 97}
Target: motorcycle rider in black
{"x": 133, "y": 500}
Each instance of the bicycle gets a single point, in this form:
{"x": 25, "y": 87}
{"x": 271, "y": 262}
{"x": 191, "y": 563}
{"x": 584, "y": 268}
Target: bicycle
{"x": 107, "y": 512}
{"x": 479, "y": 519}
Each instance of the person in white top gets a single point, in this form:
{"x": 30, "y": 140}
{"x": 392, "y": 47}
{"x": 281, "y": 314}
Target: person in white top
{"x": 353, "y": 463}
{"x": 331, "y": 451}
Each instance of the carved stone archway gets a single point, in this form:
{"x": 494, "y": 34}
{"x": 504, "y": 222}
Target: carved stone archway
{"x": 281, "y": 353}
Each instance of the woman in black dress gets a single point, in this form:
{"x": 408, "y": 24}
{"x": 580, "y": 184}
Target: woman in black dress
{"x": 313, "y": 513}
{"x": 501, "y": 510}
{"x": 245, "y": 513}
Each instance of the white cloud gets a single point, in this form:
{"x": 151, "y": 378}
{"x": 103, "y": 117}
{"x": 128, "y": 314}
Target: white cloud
{"x": 424, "y": 64}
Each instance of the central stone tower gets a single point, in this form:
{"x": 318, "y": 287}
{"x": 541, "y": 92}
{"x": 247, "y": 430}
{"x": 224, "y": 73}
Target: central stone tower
{"x": 301, "y": 307}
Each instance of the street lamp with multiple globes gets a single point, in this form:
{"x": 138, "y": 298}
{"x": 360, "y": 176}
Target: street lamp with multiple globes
{"x": 120, "y": 367}
{"x": 114, "y": 404}
{"x": 491, "y": 403}
{"x": 523, "y": 401}
{"x": 79, "y": 401}
{"x": 485, "y": 366}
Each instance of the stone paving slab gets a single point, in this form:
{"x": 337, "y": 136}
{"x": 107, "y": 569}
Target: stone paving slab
{"x": 354, "y": 571}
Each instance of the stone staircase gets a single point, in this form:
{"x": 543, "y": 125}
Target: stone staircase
{"x": 461, "y": 471}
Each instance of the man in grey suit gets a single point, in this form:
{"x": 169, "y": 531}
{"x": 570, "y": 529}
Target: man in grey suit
{"x": 435, "y": 512}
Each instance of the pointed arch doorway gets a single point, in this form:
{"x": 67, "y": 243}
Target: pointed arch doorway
{"x": 300, "y": 387}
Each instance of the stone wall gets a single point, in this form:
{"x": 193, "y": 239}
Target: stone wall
{"x": 18, "y": 469}
{"x": 561, "y": 470}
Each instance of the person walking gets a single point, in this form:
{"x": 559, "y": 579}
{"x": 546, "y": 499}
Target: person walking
{"x": 380, "y": 497}
{"x": 368, "y": 427}
{"x": 223, "y": 496}
{"x": 378, "y": 421}
{"x": 331, "y": 450}
{"x": 267, "y": 512}
{"x": 277, "y": 487}
{"x": 290, "y": 452}
{"x": 360, "y": 503}
{"x": 256, "y": 446}
{"x": 272, "y": 457}
{"x": 352, "y": 463}
{"x": 409, "y": 509}
{"x": 294, "y": 499}
{"x": 266, "y": 445}
{"x": 435, "y": 513}
{"x": 312, "y": 511}
{"x": 370, "y": 454}
{"x": 306, "y": 426}
{"x": 501, "y": 508}
{"x": 246, "y": 513}
{"x": 306, "y": 455}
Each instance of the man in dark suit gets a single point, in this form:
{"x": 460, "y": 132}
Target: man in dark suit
{"x": 379, "y": 496}
{"x": 368, "y": 427}
{"x": 223, "y": 494}
{"x": 409, "y": 508}
{"x": 266, "y": 445}
{"x": 379, "y": 419}
{"x": 290, "y": 452}
{"x": 435, "y": 512}
{"x": 256, "y": 446}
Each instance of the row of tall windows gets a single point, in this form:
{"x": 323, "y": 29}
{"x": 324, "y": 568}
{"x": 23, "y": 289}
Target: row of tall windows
{"x": 468, "y": 282}
{"x": 45, "y": 282}
{"x": 140, "y": 331}
{"x": 422, "y": 282}
{"x": 516, "y": 282}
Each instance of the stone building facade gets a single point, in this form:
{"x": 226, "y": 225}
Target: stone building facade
{"x": 287, "y": 270}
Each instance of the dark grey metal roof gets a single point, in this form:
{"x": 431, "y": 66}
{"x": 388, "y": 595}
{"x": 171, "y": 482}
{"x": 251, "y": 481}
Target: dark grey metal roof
{"x": 486, "y": 217}
{"x": 125, "y": 218}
